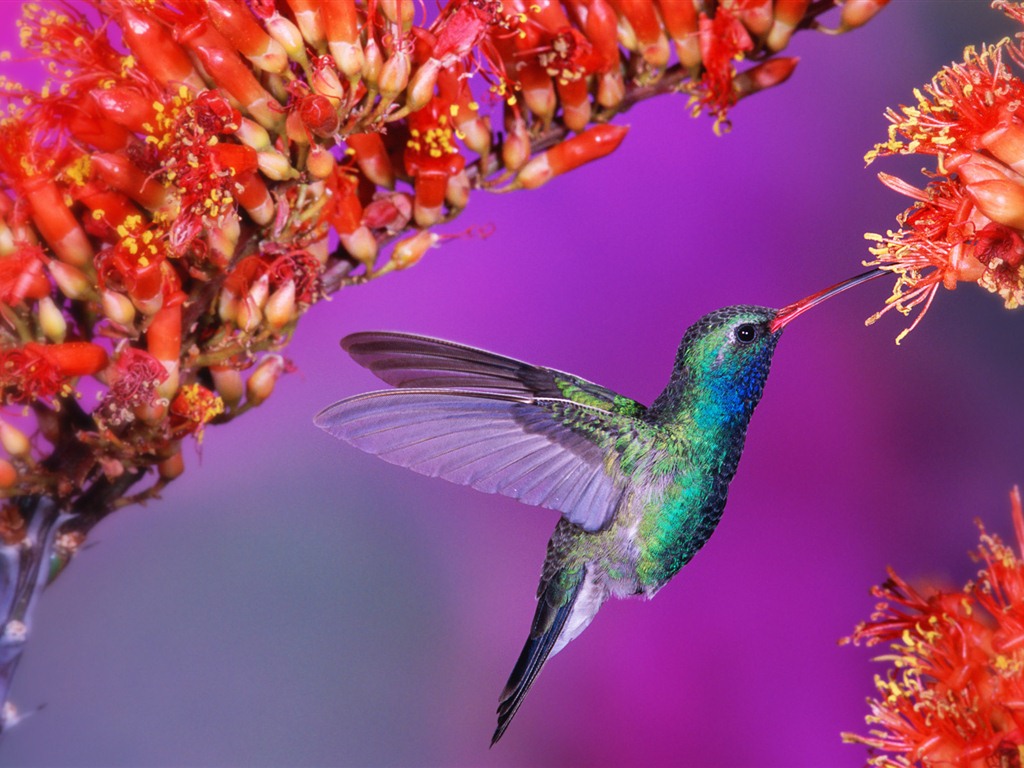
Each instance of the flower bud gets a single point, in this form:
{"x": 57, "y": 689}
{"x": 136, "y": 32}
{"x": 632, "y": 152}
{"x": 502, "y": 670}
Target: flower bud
{"x": 228, "y": 383}
{"x": 223, "y": 238}
{"x": 320, "y": 162}
{"x": 398, "y": 12}
{"x": 280, "y": 309}
{"x": 8, "y": 474}
{"x": 51, "y": 320}
{"x": 71, "y": 281}
{"x": 857, "y": 13}
{"x": 275, "y": 166}
{"x": 118, "y": 308}
{"x": 324, "y": 80}
{"x": 172, "y": 466}
{"x": 253, "y": 135}
{"x": 361, "y": 245}
{"x": 289, "y": 36}
{"x": 409, "y": 251}
{"x": 394, "y": 75}
{"x": 515, "y": 150}
{"x": 1000, "y": 200}
{"x": 1006, "y": 142}
{"x": 456, "y": 192}
{"x": 307, "y": 15}
{"x": 373, "y": 60}
{"x": 261, "y": 383}
{"x": 421, "y": 85}
{"x": 14, "y": 441}
{"x": 249, "y": 315}
{"x": 227, "y": 305}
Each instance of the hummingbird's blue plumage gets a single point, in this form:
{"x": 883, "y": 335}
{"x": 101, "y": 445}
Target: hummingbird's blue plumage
{"x": 640, "y": 489}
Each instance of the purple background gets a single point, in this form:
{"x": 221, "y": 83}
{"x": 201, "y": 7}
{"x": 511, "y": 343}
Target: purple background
{"x": 292, "y": 601}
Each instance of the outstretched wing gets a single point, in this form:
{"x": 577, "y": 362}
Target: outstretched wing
{"x": 408, "y": 361}
{"x": 548, "y": 452}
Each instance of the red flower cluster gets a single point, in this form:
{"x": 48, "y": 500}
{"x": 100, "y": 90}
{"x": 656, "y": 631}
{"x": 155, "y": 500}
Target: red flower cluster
{"x": 955, "y": 694}
{"x": 967, "y": 224}
{"x": 197, "y": 173}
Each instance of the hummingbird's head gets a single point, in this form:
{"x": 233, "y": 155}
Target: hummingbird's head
{"x": 727, "y": 354}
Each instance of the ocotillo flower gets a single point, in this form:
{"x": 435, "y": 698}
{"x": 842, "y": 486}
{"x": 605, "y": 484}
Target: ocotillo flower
{"x": 967, "y": 224}
{"x": 955, "y": 693}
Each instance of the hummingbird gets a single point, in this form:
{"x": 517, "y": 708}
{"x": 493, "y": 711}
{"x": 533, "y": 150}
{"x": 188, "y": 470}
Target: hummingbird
{"x": 640, "y": 488}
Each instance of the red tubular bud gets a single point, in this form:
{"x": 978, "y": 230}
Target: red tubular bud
{"x": 650, "y": 38}
{"x": 600, "y": 26}
{"x": 788, "y": 14}
{"x": 538, "y": 90}
{"x": 224, "y": 67}
{"x": 857, "y": 13}
{"x": 421, "y": 85}
{"x": 238, "y": 25}
{"x": 372, "y": 158}
{"x": 163, "y": 336}
{"x": 153, "y": 45}
{"x": 280, "y": 307}
{"x": 307, "y": 15}
{"x": 126, "y": 106}
{"x": 575, "y": 98}
{"x": 764, "y": 75}
{"x": 341, "y": 24}
{"x": 373, "y": 60}
{"x": 757, "y": 16}
{"x": 89, "y": 125}
{"x": 124, "y": 176}
{"x": 72, "y": 358}
{"x": 56, "y": 223}
{"x": 163, "y": 341}
{"x": 594, "y": 143}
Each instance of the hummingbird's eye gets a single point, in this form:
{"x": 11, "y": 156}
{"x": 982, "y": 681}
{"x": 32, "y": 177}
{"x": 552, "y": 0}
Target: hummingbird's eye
{"x": 746, "y": 333}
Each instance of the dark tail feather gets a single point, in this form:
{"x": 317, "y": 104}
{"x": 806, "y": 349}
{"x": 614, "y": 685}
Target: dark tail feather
{"x": 553, "y": 608}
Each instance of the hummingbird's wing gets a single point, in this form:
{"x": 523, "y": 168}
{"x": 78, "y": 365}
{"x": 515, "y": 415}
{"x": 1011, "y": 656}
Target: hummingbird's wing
{"x": 406, "y": 360}
{"x": 548, "y": 452}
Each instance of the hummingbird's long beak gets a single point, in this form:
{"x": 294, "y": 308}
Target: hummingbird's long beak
{"x": 797, "y": 308}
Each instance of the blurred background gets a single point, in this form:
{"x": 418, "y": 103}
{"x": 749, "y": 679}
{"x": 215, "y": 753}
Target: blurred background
{"x": 291, "y": 601}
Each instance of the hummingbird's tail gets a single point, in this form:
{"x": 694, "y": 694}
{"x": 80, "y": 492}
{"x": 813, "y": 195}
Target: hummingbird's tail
{"x": 565, "y": 606}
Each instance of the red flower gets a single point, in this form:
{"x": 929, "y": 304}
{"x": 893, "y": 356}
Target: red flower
{"x": 955, "y": 694}
{"x": 965, "y": 223}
